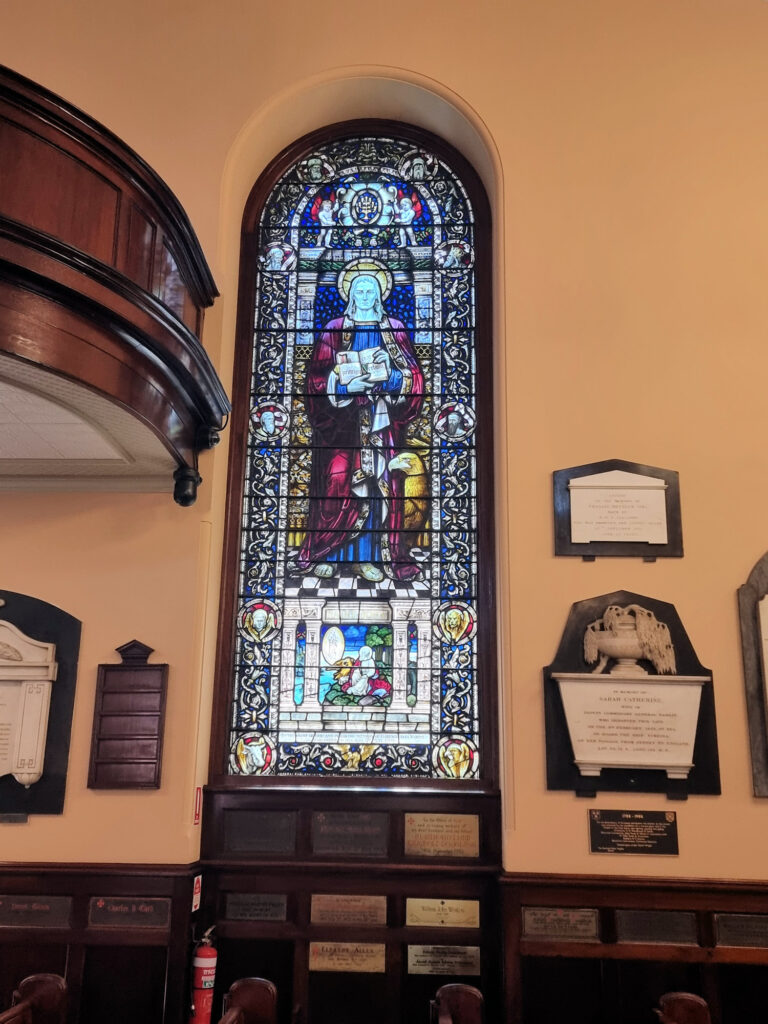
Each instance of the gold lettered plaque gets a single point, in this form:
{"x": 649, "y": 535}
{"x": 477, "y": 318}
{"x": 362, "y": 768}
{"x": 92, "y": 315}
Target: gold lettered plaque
{"x": 442, "y": 835}
{"x": 348, "y": 957}
{"x": 454, "y": 960}
{"x": 340, "y": 908}
{"x": 442, "y": 913}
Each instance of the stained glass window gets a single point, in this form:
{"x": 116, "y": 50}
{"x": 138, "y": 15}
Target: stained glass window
{"x": 357, "y": 615}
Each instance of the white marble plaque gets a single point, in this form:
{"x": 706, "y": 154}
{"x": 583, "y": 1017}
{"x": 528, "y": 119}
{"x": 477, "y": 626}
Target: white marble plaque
{"x": 339, "y": 908}
{"x": 442, "y": 913}
{"x": 348, "y": 957}
{"x": 618, "y": 506}
{"x": 455, "y": 960}
{"x": 27, "y": 670}
{"x": 442, "y": 835}
{"x": 632, "y": 722}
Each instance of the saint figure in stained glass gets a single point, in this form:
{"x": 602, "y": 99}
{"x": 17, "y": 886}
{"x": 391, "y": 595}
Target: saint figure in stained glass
{"x": 364, "y": 387}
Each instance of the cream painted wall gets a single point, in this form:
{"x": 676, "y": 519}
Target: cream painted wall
{"x": 623, "y": 144}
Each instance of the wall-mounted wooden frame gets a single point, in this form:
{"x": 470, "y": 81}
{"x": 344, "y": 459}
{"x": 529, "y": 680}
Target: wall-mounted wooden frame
{"x": 752, "y": 594}
{"x": 666, "y": 480}
{"x": 128, "y": 722}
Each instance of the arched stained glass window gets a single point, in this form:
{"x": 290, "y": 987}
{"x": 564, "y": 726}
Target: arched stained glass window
{"x": 360, "y": 606}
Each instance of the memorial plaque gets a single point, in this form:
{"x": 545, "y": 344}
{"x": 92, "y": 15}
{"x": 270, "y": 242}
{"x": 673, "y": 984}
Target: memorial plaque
{"x": 575, "y": 924}
{"x": 340, "y": 908}
{"x": 742, "y": 930}
{"x": 625, "y": 722}
{"x": 633, "y": 832}
{"x": 14, "y": 819}
{"x": 128, "y": 912}
{"x": 618, "y": 506}
{"x": 350, "y": 833}
{"x": 260, "y": 832}
{"x": 442, "y": 913}
{"x": 35, "y": 911}
{"x": 442, "y": 835}
{"x": 348, "y": 957}
{"x": 256, "y": 906}
{"x": 674, "y": 926}
{"x": 453, "y": 960}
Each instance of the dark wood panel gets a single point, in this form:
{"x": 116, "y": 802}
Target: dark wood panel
{"x": 19, "y": 960}
{"x": 83, "y": 222}
{"x": 52, "y": 191}
{"x": 110, "y": 989}
{"x": 140, "y": 247}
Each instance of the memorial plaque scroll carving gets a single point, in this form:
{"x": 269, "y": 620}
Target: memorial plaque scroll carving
{"x": 628, "y": 704}
{"x": 38, "y": 664}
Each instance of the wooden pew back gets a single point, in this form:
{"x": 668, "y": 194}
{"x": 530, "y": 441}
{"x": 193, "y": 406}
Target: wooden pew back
{"x": 39, "y": 999}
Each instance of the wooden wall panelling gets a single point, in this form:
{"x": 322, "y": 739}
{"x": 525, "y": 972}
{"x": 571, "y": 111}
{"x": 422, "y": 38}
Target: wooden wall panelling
{"x": 121, "y": 970}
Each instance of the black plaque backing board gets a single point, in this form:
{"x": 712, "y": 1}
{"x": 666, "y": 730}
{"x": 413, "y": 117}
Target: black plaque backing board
{"x": 562, "y": 773}
{"x": 561, "y": 497}
{"x": 750, "y": 595}
{"x": 645, "y": 832}
{"x": 128, "y": 912}
{"x": 48, "y": 624}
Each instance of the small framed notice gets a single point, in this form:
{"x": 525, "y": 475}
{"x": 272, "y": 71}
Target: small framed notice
{"x": 633, "y": 832}
{"x": 340, "y": 908}
{"x": 454, "y": 960}
{"x": 348, "y": 957}
{"x": 442, "y": 835}
{"x": 617, "y": 508}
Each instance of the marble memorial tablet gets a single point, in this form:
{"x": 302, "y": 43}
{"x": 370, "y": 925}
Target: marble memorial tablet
{"x": 128, "y": 912}
{"x": 442, "y": 835}
{"x": 742, "y": 930}
{"x": 454, "y": 960}
{"x": 35, "y": 911}
{"x": 575, "y": 924}
{"x": 340, "y": 908}
{"x": 674, "y": 926}
{"x": 260, "y": 832}
{"x": 350, "y": 833}
{"x": 618, "y": 506}
{"x": 256, "y": 906}
{"x": 348, "y": 957}
{"x": 432, "y": 913}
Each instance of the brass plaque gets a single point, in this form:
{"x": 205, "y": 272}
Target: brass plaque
{"x": 256, "y": 906}
{"x": 348, "y": 957}
{"x": 339, "y": 908}
{"x": 674, "y": 926}
{"x": 128, "y": 912}
{"x": 442, "y": 835}
{"x": 442, "y": 913}
{"x": 454, "y": 960}
{"x": 261, "y": 832}
{"x": 35, "y": 911}
{"x": 742, "y": 930}
{"x": 575, "y": 924}
{"x": 350, "y": 833}
{"x": 649, "y": 832}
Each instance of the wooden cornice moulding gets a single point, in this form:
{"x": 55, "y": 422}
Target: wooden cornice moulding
{"x": 103, "y": 282}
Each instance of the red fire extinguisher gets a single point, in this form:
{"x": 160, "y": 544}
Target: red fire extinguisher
{"x": 203, "y": 978}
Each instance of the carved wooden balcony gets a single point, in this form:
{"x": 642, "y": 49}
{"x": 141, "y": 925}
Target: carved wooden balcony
{"x": 103, "y": 380}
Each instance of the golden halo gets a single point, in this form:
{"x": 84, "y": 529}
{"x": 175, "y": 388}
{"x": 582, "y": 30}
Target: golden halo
{"x": 364, "y": 265}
